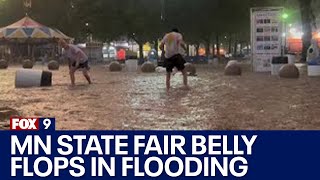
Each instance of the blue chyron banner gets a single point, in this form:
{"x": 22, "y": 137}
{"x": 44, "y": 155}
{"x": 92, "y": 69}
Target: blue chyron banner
{"x": 45, "y": 153}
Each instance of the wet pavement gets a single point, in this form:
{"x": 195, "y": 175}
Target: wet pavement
{"x": 122, "y": 100}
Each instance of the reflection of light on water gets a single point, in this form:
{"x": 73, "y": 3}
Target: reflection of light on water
{"x": 156, "y": 110}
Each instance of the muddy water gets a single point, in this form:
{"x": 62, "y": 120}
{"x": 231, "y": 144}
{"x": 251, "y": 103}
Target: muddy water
{"x": 138, "y": 101}
{"x": 157, "y": 110}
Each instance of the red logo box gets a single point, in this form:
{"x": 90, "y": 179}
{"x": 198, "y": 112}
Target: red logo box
{"x": 24, "y": 124}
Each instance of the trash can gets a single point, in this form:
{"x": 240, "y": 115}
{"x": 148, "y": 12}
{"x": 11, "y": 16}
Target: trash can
{"x": 291, "y": 58}
{"x": 32, "y": 78}
{"x": 277, "y": 63}
{"x": 132, "y": 65}
{"x": 314, "y": 67}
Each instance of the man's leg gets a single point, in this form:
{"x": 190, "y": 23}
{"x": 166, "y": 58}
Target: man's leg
{"x": 72, "y": 77}
{"x": 169, "y": 66}
{"x": 181, "y": 67}
{"x": 185, "y": 78}
{"x": 168, "y": 81}
{"x": 86, "y": 75}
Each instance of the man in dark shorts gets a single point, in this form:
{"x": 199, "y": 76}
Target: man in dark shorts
{"x": 84, "y": 65}
{"x": 77, "y": 60}
{"x": 171, "y": 44}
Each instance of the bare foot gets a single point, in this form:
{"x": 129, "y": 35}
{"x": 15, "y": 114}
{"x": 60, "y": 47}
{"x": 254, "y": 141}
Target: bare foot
{"x": 71, "y": 86}
{"x": 187, "y": 88}
{"x": 168, "y": 91}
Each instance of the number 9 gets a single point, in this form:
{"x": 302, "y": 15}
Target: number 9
{"x": 46, "y": 123}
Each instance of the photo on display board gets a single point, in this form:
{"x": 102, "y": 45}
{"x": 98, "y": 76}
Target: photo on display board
{"x": 274, "y": 29}
{"x": 264, "y": 62}
{"x": 260, "y": 38}
{"x": 274, "y": 46}
{"x": 260, "y": 21}
{"x": 267, "y": 47}
{"x": 260, "y": 47}
{"x": 267, "y": 38}
{"x": 267, "y": 29}
{"x": 259, "y": 30}
{"x": 274, "y": 38}
{"x": 267, "y": 21}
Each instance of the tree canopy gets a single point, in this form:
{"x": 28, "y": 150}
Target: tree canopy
{"x": 200, "y": 21}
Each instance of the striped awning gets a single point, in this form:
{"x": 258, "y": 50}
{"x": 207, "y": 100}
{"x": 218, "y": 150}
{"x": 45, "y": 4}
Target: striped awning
{"x": 27, "y": 28}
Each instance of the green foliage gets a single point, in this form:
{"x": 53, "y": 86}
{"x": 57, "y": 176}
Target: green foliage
{"x": 53, "y": 13}
{"x": 200, "y": 21}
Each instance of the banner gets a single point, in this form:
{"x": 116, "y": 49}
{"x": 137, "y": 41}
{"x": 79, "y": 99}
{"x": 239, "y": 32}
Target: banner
{"x": 266, "y": 36}
{"x": 32, "y": 149}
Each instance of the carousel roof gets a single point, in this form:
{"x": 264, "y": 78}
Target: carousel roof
{"x": 27, "y": 28}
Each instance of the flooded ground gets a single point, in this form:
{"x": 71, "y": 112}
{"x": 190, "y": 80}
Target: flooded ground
{"x": 124, "y": 100}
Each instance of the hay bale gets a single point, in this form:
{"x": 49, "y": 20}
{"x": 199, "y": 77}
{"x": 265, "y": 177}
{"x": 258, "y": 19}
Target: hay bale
{"x": 7, "y": 112}
{"x": 190, "y": 69}
{"x": 148, "y": 67}
{"x": 115, "y": 67}
{"x": 233, "y": 68}
{"x": 289, "y": 71}
{"x": 233, "y": 62}
{"x": 53, "y": 65}
{"x": 3, "y": 64}
{"x": 27, "y": 64}
{"x": 160, "y": 69}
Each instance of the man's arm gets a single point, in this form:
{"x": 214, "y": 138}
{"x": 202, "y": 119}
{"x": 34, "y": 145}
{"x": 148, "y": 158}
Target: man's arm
{"x": 162, "y": 43}
{"x": 162, "y": 46}
{"x": 183, "y": 44}
{"x": 77, "y": 56}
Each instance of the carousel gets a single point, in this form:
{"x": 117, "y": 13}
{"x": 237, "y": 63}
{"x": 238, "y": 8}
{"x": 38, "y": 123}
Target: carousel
{"x": 28, "y": 39}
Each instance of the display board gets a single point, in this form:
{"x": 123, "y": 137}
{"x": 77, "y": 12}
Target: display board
{"x": 266, "y": 36}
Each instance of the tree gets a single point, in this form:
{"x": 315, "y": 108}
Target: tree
{"x": 201, "y": 21}
{"x": 59, "y": 14}
{"x": 306, "y": 20}
{"x": 138, "y": 20}
{"x": 43, "y": 11}
{"x": 102, "y": 17}
{"x": 10, "y": 11}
